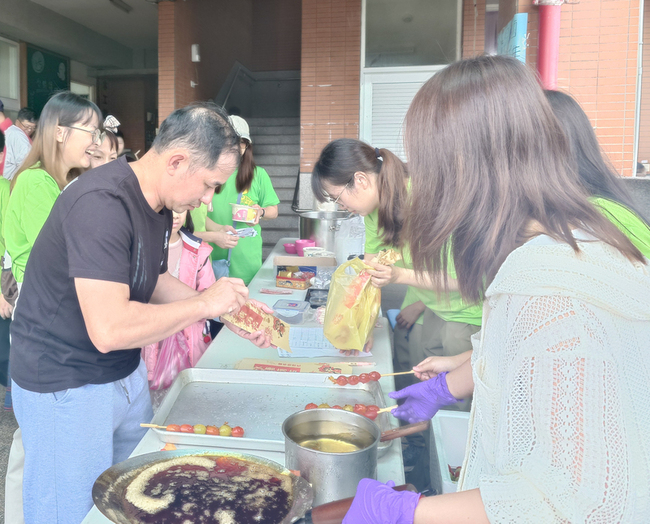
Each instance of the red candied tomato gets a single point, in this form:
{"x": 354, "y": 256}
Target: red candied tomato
{"x": 372, "y": 407}
{"x": 173, "y": 427}
{"x": 360, "y": 408}
{"x": 212, "y": 430}
{"x": 187, "y": 428}
{"x": 311, "y": 405}
{"x": 353, "y": 380}
{"x": 374, "y": 375}
{"x": 342, "y": 380}
{"x": 237, "y": 431}
{"x": 336, "y": 406}
{"x": 372, "y": 415}
{"x": 364, "y": 378}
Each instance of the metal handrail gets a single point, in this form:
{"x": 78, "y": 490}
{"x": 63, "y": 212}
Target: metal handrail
{"x": 240, "y": 68}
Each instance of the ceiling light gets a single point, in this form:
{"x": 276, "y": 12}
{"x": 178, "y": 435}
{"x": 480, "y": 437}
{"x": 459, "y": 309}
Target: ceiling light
{"x": 121, "y": 5}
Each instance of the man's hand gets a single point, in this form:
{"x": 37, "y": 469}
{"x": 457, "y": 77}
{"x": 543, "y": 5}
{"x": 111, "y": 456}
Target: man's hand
{"x": 259, "y": 338}
{"x": 226, "y": 295}
{"x": 410, "y": 314}
{"x": 6, "y": 309}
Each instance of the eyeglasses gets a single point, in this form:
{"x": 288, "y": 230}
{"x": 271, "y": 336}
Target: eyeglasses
{"x": 98, "y": 135}
{"x": 336, "y": 200}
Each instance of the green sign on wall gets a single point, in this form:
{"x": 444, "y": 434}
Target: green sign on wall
{"x": 47, "y": 73}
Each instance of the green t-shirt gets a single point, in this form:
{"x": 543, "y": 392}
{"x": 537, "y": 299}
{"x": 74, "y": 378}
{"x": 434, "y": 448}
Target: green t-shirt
{"x": 4, "y": 200}
{"x": 449, "y": 306}
{"x": 627, "y": 221}
{"x": 246, "y": 257}
{"x": 374, "y": 245}
{"x": 29, "y": 206}
{"x": 198, "y": 217}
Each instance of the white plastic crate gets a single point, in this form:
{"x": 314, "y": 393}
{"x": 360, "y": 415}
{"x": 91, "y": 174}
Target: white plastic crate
{"x": 450, "y": 434}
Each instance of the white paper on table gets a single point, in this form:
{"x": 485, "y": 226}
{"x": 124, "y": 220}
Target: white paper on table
{"x": 316, "y": 352}
{"x": 308, "y": 342}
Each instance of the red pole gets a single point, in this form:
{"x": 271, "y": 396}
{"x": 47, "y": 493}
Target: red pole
{"x": 548, "y": 49}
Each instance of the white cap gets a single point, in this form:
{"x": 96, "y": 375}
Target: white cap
{"x": 241, "y": 127}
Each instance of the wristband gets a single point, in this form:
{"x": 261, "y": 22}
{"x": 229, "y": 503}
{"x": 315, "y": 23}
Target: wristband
{"x": 263, "y": 213}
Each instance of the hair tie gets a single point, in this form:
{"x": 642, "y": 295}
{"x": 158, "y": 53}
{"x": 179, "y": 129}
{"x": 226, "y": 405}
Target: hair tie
{"x": 111, "y": 123}
{"x": 378, "y": 154}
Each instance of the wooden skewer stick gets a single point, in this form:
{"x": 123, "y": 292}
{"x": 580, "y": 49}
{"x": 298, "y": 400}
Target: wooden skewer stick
{"x": 395, "y": 374}
{"x": 155, "y": 426}
{"x": 386, "y": 410}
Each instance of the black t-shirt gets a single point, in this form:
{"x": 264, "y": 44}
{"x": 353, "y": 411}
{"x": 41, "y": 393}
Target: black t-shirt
{"x": 101, "y": 227}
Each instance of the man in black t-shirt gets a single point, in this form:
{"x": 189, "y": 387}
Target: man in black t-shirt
{"x": 96, "y": 290}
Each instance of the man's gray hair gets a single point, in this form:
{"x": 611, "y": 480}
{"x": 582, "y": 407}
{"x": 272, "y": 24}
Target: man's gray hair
{"x": 203, "y": 129}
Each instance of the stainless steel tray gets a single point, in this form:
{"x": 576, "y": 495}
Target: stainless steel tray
{"x": 258, "y": 401}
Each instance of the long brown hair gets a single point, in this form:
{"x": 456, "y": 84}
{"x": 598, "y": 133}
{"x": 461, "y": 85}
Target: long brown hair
{"x": 63, "y": 109}
{"x": 487, "y": 157}
{"x": 342, "y": 158}
{"x": 246, "y": 170}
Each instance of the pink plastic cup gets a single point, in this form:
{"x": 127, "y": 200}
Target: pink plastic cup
{"x": 290, "y": 249}
{"x": 302, "y": 243}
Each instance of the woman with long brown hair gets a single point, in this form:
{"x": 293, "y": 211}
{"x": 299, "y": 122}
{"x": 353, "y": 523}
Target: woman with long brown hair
{"x": 250, "y": 185}
{"x": 559, "y": 423}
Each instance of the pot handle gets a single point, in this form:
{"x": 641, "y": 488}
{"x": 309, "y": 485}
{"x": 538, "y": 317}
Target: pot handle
{"x": 403, "y": 431}
{"x": 333, "y": 512}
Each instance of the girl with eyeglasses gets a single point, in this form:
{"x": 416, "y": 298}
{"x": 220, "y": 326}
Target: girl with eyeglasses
{"x": 68, "y": 126}
{"x": 375, "y": 184}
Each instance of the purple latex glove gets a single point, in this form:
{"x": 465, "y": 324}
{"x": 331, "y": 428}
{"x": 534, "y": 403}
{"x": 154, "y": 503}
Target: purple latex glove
{"x": 377, "y": 503}
{"x": 423, "y": 400}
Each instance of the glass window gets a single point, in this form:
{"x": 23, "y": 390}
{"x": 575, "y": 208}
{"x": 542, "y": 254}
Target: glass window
{"x": 9, "y": 69}
{"x": 412, "y": 32}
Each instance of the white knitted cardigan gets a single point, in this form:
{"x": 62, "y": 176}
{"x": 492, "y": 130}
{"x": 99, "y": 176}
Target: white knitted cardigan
{"x": 560, "y": 425}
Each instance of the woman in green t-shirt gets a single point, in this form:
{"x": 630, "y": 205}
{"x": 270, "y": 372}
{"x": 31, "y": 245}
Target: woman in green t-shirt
{"x": 606, "y": 188}
{"x": 254, "y": 185}
{"x": 374, "y": 183}
{"x": 68, "y": 126}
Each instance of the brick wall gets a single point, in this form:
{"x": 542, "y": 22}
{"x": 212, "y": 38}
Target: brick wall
{"x": 166, "y": 59}
{"x": 597, "y": 65}
{"x": 223, "y": 30}
{"x": 128, "y": 99}
{"x": 331, "y": 55}
{"x": 644, "y": 124}
{"x": 473, "y": 28}
{"x": 276, "y": 35}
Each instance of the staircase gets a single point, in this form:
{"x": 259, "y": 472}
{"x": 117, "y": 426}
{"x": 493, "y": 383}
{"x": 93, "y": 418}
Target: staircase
{"x": 276, "y": 148}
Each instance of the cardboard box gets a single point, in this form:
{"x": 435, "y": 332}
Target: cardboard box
{"x": 449, "y": 430}
{"x": 293, "y": 260}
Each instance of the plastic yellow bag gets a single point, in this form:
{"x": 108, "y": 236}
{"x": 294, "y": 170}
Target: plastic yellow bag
{"x": 352, "y": 306}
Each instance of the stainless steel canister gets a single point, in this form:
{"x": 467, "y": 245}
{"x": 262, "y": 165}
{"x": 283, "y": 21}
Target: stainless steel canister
{"x": 333, "y": 476}
{"x": 322, "y": 226}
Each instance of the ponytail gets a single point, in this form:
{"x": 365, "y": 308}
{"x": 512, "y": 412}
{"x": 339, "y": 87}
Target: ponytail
{"x": 392, "y": 179}
{"x": 342, "y": 158}
{"x": 246, "y": 170}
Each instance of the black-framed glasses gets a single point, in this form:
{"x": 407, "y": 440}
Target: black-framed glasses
{"x": 336, "y": 200}
{"x": 98, "y": 135}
